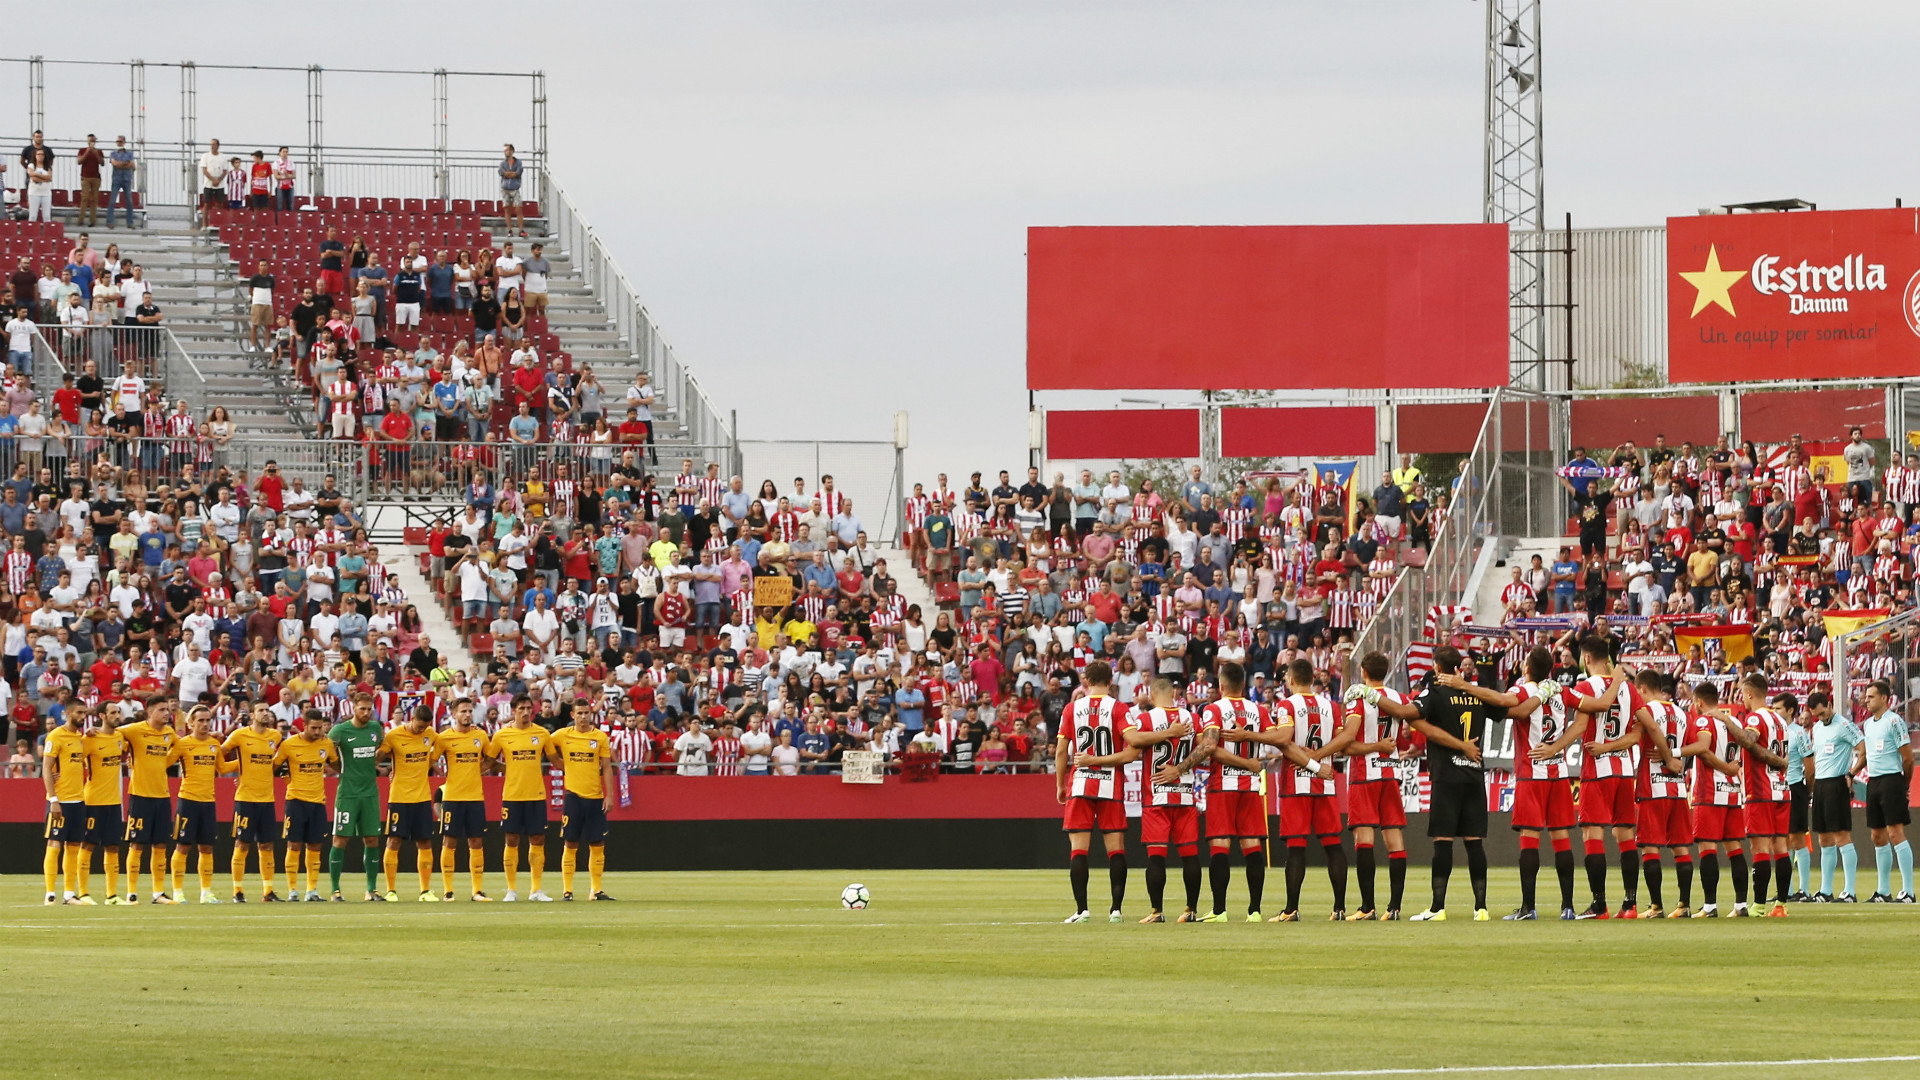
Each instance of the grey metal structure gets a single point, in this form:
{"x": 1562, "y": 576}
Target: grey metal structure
{"x": 1515, "y": 191}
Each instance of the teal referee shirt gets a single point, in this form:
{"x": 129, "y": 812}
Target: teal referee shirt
{"x": 1885, "y": 735}
{"x": 1833, "y": 743}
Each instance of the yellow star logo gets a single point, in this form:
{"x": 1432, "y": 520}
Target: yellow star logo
{"x": 1712, "y": 283}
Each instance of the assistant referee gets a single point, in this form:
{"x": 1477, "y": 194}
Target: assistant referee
{"x": 1831, "y": 764}
{"x": 1887, "y": 752}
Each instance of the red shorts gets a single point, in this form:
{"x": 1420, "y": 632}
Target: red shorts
{"x": 1714, "y": 824}
{"x": 1543, "y": 804}
{"x": 1767, "y": 818}
{"x": 1608, "y": 800}
{"x": 1088, "y": 815}
{"x": 1233, "y": 814}
{"x": 1309, "y": 815}
{"x": 1376, "y": 804}
{"x": 1665, "y": 823}
{"x": 1176, "y": 826}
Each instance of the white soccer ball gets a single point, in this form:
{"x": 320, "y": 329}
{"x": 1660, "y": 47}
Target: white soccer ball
{"x": 854, "y": 897}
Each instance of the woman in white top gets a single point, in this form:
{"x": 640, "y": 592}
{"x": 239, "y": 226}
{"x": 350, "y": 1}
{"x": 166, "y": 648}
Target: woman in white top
{"x": 40, "y": 186}
{"x": 219, "y": 430}
{"x": 464, "y": 275}
{"x": 364, "y": 308}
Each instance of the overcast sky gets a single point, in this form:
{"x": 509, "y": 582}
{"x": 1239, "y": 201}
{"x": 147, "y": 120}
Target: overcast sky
{"x": 825, "y": 204}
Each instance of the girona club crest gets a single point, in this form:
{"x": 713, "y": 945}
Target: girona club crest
{"x": 1910, "y": 303}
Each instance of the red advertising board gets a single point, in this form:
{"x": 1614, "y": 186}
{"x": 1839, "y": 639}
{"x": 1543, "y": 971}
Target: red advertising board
{"x": 1801, "y": 295}
{"x": 1266, "y": 307}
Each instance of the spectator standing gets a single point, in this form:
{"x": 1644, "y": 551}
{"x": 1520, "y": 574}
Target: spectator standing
{"x": 90, "y": 159}
{"x": 123, "y": 176}
{"x": 260, "y": 297}
{"x": 283, "y": 173}
{"x": 439, "y": 284}
{"x": 333, "y": 280}
{"x": 510, "y": 192}
{"x": 40, "y": 185}
{"x": 213, "y": 177}
{"x": 535, "y": 270}
{"x": 259, "y": 182}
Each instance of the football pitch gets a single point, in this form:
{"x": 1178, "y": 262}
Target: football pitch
{"x": 964, "y": 974}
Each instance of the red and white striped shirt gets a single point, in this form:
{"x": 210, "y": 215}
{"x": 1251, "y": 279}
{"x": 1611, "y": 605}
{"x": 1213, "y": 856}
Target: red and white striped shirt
{"x": 1671, "y": 721}
{"x": 630, "y": 746}
{"x": 1547, "y": 723}
{"x": 1091, "y": 725}
{"x": 1609, "y": 726}
{"x": 1711, "y": 787}
{"x": 1375, "y": 726}
{"x": 1170, "y": 752}
{"x": 1764, "y": 782}
{"x": 1315, "y": 721}
{"x": 19, "y": 567}
{"x": 1235, "y": 712}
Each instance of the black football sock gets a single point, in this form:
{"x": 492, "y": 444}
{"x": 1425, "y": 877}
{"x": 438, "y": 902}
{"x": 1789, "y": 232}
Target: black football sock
{"x": 1782, "y": 876}
{"x": 1190, "y": 875}
{"x": 1529, "y": 871}
{"x": 1650, "y": 869}
{"x": 1597, "y": 874}
{"x": 1117, "y": 877}
{"x": 1683, "y": 869}
{"x": 1296, "y": 875}
{"x": 1337, "y": 873}
{"x": 1396, "y": 878}
{"x": 1077, "y": 873}
{"x": 1477, "y": 871}
{"x": 1442, "y": 870}
{"x": 1737, "y": 867}
{"x": 1363, "y": 874}
{"x": 1256, "y": 878}
{"x": 1219, "y": 872}
{"x": 1156, "y": 880}
{"x": 1629, "y": 873}
{"x": 1563, "y": 868}
{"x": 1762, "y": 875}
{"x": 1710, "y": 876}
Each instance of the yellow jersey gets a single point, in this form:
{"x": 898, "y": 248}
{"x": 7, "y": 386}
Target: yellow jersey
{"x": 307, "y": 767}
{"x": 105, "y": 751}
{"x": 581, "y": 752}
{"x": 523, "y": 753}
{"x": 256, "y": 763}
{"x": 68, "y": 749}
{"x": 149, "y": 752}
{"x": 413, "y": 757}
{"x": 466, "y": 753}
{"x": 201, "y": 759}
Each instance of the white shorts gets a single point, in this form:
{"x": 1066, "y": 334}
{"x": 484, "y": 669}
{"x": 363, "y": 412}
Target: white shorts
{"x": 343, "y": 425}
{"x": 406, "y": 314}
{"x": 1388, "y": 525}
{"x": 671, "y": 636}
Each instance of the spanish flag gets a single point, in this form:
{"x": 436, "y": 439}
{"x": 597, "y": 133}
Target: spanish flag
{"x": 1846, "y": 622}
{"x": 1736, "y": 642}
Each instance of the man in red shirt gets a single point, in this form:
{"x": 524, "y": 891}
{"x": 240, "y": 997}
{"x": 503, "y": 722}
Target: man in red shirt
{"x": 987, "y": 671}
{"x": 66, "y": 400}
{"x": 393, "y": 432}
{"x": 272, "y": 488}
{"x": 633, "y": 430}
{"x": 531, "y": 386}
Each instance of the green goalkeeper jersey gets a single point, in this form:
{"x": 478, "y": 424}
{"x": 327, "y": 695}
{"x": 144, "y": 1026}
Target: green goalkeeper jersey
{"x": 358, "y": 745}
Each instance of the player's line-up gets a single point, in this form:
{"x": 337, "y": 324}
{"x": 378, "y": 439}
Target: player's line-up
{"x": 1665, "y": 768}
{"x": 89, "y": 753}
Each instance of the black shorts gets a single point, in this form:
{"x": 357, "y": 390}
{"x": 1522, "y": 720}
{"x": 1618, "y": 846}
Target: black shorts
{"x": 149, "y": 819}
{"x": 524, "y": 817}
{"x": 1797, "y": 795}
{"x": 106, "y": 825}
{"x": 255, "y": 823}
{"x": 1887, "y": 802}
{"x": 67, "y": 823}
{"x": 583, "y": 821}
{"x": 307, "y": 822}
{"x": 194, "y": 823}
{"x": 1832, "y": 805}
{"x": 463, "y": 818}
{"x": 1459, "y": 810}
{"x": 410, "y": 820}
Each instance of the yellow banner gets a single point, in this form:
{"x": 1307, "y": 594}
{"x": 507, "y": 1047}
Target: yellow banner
{"x": 1846, "y": 622}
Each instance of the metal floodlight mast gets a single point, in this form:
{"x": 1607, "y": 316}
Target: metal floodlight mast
{"x": 1515, "y": 190}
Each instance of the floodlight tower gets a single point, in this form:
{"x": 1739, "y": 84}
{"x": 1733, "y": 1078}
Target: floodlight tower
{"x": 1515, "y": 189}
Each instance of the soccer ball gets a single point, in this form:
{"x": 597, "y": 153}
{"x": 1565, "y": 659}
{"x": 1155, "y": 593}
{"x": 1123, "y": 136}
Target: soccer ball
{"x": 853, "y": 897}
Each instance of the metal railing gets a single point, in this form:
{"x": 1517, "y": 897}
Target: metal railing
{"x": 681, "y": 392}
{"x": 152, "y": 352}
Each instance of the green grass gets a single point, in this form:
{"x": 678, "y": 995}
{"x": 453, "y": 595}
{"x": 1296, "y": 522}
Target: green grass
{"x": 949, "y": 974}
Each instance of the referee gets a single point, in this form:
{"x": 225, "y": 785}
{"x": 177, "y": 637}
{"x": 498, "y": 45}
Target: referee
{"x": 1888, "y": 755}
{"x": 1799, "y": 748}
{"x": 1831, "y": 763}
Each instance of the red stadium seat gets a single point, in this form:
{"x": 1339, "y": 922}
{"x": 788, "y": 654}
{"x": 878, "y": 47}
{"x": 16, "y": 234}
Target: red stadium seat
{"x": 414, "y": 536}
{"x": 531, "y": 209}
{"x": 389, "y": 206}
{"x": 323, "y": 203}
{"x": 413, "y": 206}
{"x": 463, "y": 206}
{"x": 486, "y": 207}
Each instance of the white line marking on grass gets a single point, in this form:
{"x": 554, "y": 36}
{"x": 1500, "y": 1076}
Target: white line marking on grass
{"x": 1446, "y": 1070}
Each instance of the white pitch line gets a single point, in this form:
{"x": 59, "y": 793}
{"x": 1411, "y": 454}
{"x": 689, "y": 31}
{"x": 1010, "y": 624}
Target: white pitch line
{"x": 1446, "y": 1070}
